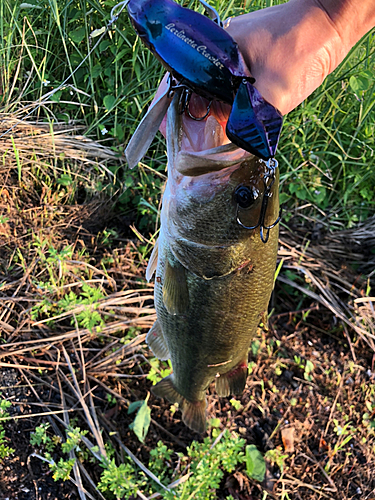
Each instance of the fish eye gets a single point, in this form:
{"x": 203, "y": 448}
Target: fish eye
{"x": 245, "y": 196}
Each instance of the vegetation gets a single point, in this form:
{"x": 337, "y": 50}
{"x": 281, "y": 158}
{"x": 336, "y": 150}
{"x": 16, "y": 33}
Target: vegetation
{"x": 76, "y": 228}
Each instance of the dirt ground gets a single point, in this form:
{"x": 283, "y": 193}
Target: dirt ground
{"x": 279, "y": 397}
{"x": 310, "y": 393}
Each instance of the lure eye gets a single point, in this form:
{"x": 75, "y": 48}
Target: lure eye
{"x": 245, "y": 196}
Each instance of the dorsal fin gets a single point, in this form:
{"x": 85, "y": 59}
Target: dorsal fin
{"x": 146, "y": 130}
{"x": 153, "y": 261}
{"x": 175, "y": 290}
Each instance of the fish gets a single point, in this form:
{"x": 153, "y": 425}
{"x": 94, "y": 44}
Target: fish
{"x": 213, "y": 276}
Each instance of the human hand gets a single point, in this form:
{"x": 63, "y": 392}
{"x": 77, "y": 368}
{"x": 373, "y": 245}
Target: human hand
{"x": 291, "y": 48}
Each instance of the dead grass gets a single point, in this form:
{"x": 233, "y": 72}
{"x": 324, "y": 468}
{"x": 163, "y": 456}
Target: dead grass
{"x": 324, "y": 313}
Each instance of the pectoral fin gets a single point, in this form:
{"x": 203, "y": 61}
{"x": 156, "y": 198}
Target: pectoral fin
{"x": 155, "y": 340}
{"x": 175, "y": 290}
{"x": 232, "y": 382}
{"x": 146, "y": 130}
{"x": 153, "y": 262}
{"x": 193, "y": 413}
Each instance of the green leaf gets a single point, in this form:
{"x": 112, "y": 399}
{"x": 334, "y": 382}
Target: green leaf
{"x": 134, "y": 406}
{"x": 77, "y": 35}
{"x": 65, "y": 180}
{"x": 283, "y": 198}
{"x": 215, "y": 422}
{"x": 142, "y": 421}
{"x": 309, "y": 366}
{"x": 29, "y": 6}
{"x": 109, "y": 102}
{"x": 255, "y": 463}
{"x": 56, "y": 96}
{"x": 318, "y": 194}
{"x": 104, "y": 45}
{"x": 96, "y": 70}
{"x": 97, "y": 32}
{"x": 361, "y": 82}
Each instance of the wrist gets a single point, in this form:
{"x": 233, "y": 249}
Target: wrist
{"x": 351, "y": 18}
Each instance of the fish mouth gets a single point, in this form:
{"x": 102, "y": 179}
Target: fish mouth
{"x": 199, "y": 136}
{"x": 200, "y": 145}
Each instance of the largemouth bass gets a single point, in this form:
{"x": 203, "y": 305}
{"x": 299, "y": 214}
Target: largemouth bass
{"x": 214, "y": 276}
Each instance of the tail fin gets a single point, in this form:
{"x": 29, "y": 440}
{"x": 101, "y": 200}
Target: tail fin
{"x": 193, "y": 413}
{"x": 232, "y": 382}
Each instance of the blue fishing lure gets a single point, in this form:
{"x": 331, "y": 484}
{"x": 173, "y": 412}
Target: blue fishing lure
{"x": 205, "y": 59}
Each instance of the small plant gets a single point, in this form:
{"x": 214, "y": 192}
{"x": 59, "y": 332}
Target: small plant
{"x": 236, "y": 404}
{"x": 142, "y": 420}
{"x": 111, "y": 399}
{"x": 208, "y": 464}
{"x": 41, "y": 438}
{"x": 83, "y": 306}
{"x": 73, "y": 439}
{"x": 276, "y": 456}
{"x": 158, "y": 370}
{"x": 309, "y": 368}
{"x": 120, "y": 480}
{"x": 5, "y": 450}
{"x": 62, "y": 469}
{"x": 160, "y": 460}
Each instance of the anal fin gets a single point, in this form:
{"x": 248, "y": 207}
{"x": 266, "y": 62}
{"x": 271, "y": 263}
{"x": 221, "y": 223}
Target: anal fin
{"x": 175, "y": 290}
{"x": 155, "y": 340}
{"x": 153, "y": 261}
{"x": 232, "y": 382}
{"x": 193, "y": 413}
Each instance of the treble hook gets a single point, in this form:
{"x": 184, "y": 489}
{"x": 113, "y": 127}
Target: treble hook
{"x": 263, "y": 210}
{"x": 184, "y": 105}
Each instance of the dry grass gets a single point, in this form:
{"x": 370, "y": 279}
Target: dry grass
{"x": 78, "y": 366}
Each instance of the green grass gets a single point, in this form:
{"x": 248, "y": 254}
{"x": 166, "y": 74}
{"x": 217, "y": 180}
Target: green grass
{"x": 326, "y": 160}
{"x": 327, "y": 142}
{"x": 326, "y": 155}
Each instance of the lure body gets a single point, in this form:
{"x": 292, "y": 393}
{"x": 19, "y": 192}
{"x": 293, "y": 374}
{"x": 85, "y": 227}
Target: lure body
{"x": 203, "y": 57}
{"x": 197, "y": 51}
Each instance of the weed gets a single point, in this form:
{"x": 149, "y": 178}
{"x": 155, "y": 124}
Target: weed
{"x": 207, "y": 463}
{"x": 40, "y": 438}
{"x": 207, "y": 466}
{"x": 276, "y": 456}
{"x": 142, "y": 420}
{"x": 236, "y": 404}
{"x": 159, "y": 370}
{"x": 61, "y": 469}
{"x": 120, "y": 480}
{"x": 5, "y": 450}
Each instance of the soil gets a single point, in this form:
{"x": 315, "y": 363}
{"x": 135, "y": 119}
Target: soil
{"x": 306, "y": 416}
{"x": 266, "y": 411}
